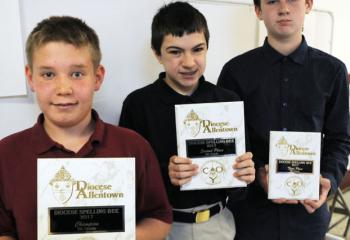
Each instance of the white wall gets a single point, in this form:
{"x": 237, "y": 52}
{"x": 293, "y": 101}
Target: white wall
{"x": 341, "y": 38}
{"x": 124, "y": 31}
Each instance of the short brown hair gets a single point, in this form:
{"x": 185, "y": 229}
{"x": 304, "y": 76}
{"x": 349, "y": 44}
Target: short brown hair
{"x": 177, "y": 19}
{"x": 65, "y": 29}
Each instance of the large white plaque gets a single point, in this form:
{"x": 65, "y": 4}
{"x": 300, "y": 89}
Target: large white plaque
{"x": 86, "y": 198}
{"x": 294, "y": 165}
{"x": 212, "y": 135}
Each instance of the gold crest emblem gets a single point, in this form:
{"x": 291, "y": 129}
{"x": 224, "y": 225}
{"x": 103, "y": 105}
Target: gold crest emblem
{"x": 192, "y": 123}
{"x": 62, "y": 185}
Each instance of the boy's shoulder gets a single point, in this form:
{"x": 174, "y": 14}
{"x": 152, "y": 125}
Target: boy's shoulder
{"x": 220, "y": 94}
{"x": 18, "y": 138}
{"x": 123, "y": 135}
{"x": 321, "y": 57}
{"x": 142, "y": 94}
{"x": 17, "y": 142}
{"x": 245, "y": 58}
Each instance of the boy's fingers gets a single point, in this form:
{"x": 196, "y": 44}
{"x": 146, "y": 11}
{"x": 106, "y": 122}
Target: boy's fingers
{"x": 245, "y": 156}
{"x": 243, "y": 164}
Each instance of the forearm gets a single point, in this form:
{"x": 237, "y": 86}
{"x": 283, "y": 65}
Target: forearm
{"x": 334, "y": 161}
{"x": 150, "y": 229}
{"x": 6, "y": 238}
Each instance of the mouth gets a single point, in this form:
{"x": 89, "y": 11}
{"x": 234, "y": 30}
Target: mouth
{"x": 189, "y": 74}
{"x": 65, "y": 105}
{"x": 284, "y": 22}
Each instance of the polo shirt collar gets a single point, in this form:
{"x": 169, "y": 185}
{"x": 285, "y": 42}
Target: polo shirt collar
{"x": 170, "y": 96}
{"x": 298, "y": 56}
{"x": 44, "y": 143}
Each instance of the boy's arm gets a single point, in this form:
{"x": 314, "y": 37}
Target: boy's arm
{"x": 126, "y": 119}
{"x": 336, "y": 141}
{"x": 153, "y": 210}
{"x": 228, "y": 81}
{"x": 131, "y": 116}
{"x": 7, "y": 238}
{"x": 150, "y": 229}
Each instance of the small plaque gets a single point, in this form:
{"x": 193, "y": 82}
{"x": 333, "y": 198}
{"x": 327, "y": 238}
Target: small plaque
{"x": 294, "y": 165}
{"x": 86, "y": 198}
{"x": 212, "y": 135}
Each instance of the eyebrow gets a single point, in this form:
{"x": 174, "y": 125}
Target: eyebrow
{"x": 179, "y": 48}
{"x": 72, "y": 66}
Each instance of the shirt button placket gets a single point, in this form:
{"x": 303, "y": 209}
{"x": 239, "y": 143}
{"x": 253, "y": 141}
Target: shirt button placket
{"x": 284, "y": 94}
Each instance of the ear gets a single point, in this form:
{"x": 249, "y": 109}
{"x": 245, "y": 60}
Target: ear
{"x": 309, "y": 4}
{"x": 157, "y": 56}
{"x": 258, "y": 12}
{"x": 99, "y": 77}
{"x": 29, "y": 76}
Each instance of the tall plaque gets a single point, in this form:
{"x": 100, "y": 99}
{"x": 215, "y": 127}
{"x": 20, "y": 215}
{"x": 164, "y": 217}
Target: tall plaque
{"x": 86, "y": 198}
{"x": 294, "y": 165}
{"x": 212, "y": 135}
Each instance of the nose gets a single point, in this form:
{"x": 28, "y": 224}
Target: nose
{"x": 63, "y": 86}
{"x": 188, "y": 60}
{"x": 284, "y": 7}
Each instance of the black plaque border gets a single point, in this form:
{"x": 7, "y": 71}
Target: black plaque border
{"x": 308, "y": 160}
{"x": 217, "y": 156}
{"x": 84, "y": 232}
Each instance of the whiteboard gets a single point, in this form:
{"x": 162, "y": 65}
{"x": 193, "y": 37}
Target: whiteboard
{"x": 127, "y": 54}
{"x": 233, "y": 30}
{"x": 12, "y": 78}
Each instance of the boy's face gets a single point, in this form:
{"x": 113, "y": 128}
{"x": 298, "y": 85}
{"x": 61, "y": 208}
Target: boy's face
{"x": 183, "y": 59}
{"x": 284, "y": 19}
{"x": 64, "y": 80}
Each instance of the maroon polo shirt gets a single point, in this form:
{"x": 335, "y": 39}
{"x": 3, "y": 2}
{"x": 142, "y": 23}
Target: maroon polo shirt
{"x": 18, "y": 173}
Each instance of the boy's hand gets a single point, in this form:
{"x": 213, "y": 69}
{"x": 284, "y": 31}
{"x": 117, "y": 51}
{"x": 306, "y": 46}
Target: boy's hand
{"x": 181, "y": 170}
{"x": 244, "y": 167}
{"x": 312, "y": 205}
{"x": 263, "y": 177}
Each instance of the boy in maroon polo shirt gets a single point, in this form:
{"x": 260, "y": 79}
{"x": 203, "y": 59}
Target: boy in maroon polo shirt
{"x": 64, "y": 71}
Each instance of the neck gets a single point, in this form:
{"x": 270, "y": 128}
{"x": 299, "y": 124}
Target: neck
{"x": 285, "y": 46}
{"x": 72, "y": 138}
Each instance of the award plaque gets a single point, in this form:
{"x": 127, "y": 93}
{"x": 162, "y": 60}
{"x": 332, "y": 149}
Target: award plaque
{"x": 294, "y": 165}
{"x": 86, "y": 198}
{"x": 212, "y": 135}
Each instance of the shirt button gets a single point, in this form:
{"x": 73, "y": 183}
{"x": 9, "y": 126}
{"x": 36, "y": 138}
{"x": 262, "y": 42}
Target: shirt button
{"x": 284, "y": 129}
{"x": 285, "y": 79}
{"x": 284, "y": 104}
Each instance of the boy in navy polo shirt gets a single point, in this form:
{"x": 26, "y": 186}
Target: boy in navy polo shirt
{"x": 288, "y": 86}
{"x": 180, "y": 41}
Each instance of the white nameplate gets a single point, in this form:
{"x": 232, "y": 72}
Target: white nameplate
{"x": 294, "y": 165}
{"x": 212, "y": 135}
{"x": 86, "y": 198}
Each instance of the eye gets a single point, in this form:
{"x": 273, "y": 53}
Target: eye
{"x": 271, "y": 2}
{"x": 77, "y": 74}
{"x": 198, "y": 49}
{"x": 48, "y": 75}
{"x": 175, "y": 52}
